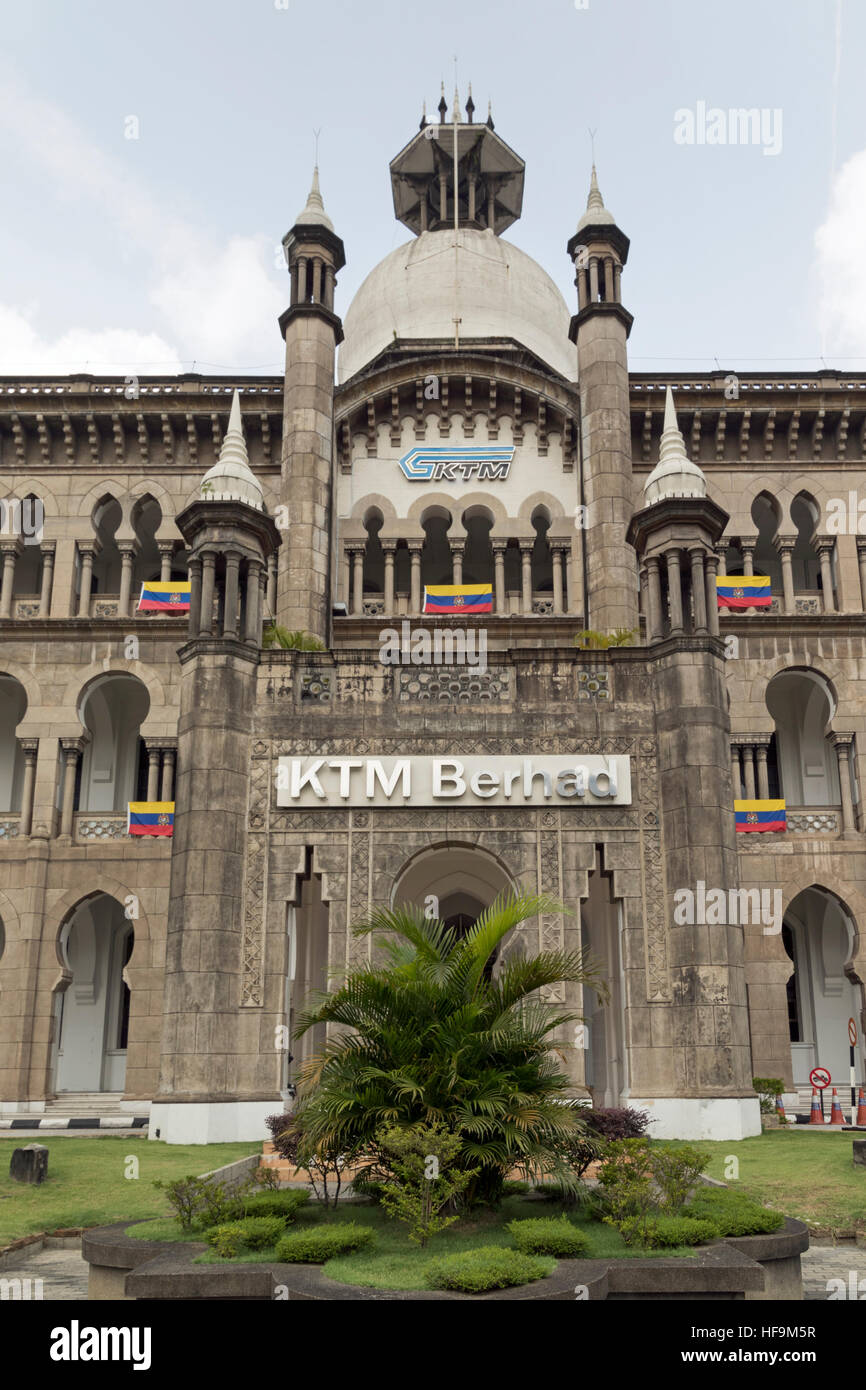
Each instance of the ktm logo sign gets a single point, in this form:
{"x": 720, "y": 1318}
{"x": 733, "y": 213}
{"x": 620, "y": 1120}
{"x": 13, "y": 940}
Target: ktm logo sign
{"x": 457, "y": 465}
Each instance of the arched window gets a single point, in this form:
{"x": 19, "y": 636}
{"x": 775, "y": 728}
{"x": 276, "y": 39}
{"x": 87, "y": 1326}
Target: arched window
{"x": 93, "y": 1006}
{"x": 802, "y": 706}
{"x": 542, "y": 559}
{"x": 374, "y": 557}
{"x": 805, "y": 565}
{"x": 107, "y": 517}
{"x": 113, "y": 768}
{"x": 477, "y": 552}
{"x": 146, "y": 521}
{"x": 13, "y": 703}
{"x": 28, "y": 568}
{"x": 766, "y": 515}
{"x": 436, "y": 565}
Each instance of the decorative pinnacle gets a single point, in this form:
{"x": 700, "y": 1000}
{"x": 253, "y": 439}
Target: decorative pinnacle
{"x": 490, "y": 114}
{"x": 443, "y": 106}
{"x": 470, "y": 105}
{"x": 455, "y": 115}
{"x": 314, "y": 212}
{"x": 672, "y": 445}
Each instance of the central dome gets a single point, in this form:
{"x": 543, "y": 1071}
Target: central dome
{"x": 500, "y": 293}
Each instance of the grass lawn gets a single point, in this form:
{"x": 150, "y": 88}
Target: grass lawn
{"x": 809, "y": 1176}
{"x": 395, "y": 1262}
{"x": 87, "y": 1182}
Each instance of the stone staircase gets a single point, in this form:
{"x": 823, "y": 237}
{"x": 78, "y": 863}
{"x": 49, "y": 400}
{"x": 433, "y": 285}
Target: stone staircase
{"x": 85, "y": 1110}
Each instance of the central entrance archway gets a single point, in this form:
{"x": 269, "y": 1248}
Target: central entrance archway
{"x": 92, "y": 1006}
{"x": 454, "y": 882}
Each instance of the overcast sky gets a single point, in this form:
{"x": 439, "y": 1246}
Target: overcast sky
{"x": 153, "y": 253}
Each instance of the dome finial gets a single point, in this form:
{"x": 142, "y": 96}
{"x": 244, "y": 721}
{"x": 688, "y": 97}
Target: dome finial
{"x": 231, "y": 478}
{"x": 313, "y": 214}
{"x": 470, "y": 105}
{"x": 490, "y": 114}
{"x": 596, "y": 213}
{"x": 443, "y": 105}
{"x": 423, "y": 115}
{"x": 674, "y": 475}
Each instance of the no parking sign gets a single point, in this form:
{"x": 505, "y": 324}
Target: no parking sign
{"x": 820, "y": 1077}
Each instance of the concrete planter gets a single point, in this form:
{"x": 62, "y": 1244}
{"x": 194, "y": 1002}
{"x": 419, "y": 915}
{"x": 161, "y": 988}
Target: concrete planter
{"x": 748, "y": 1267}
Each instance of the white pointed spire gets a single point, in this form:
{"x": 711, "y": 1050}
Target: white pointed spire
{"x": 314, "y": 213}
{"x": 596, "y": 213}
{"x": 674, "y": 475}
{"x": 455, "y": 115}
{"x": 231, "y": 478}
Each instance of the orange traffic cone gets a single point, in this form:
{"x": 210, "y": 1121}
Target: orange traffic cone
{"x": 815, "y": 1116}
{"x": 780, "y": 1111}
{"x": 836, "y": 1116}
{"x": 861, "y": 1107}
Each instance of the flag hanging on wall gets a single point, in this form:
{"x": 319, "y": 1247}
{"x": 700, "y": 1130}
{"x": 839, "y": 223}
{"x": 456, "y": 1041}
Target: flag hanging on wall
{"x": 150, "y": 818}
{"x": 458, "y": 598}
{"x": 164, "y": 596}
{"x": 760, "y": 815}
{"x": 744, "y": 591}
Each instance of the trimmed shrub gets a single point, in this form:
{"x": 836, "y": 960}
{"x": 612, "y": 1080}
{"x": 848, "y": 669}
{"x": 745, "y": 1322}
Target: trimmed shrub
{"x": 733, "y": 1213}
{"x": 614, "y": 1123}
{"x": 660, "y": 1232}
{"x": 490, "y": 1267}
{"x": 322, "y": 1243}
{"x": 676, "y": 1172}
{"x": 255, "y": 1233}
{"x": 541, "y": 1237}
{"x": 284, "y": 1204}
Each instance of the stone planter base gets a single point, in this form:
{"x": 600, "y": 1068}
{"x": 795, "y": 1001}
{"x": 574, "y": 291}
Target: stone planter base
{"x": 748, "y": 1267}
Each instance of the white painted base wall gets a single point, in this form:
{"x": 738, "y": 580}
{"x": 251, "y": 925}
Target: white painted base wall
{"x": 221, "y": 1122}
{"x": 695, "y": 1118}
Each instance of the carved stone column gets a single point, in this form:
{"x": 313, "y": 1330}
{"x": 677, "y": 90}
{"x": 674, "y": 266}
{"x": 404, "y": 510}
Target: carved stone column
{"x": 699, "y": 592}
{"x": 389, "y": 549}
{"x": 357, "y": 580}
{"x": 736, "y": 779}
{"x": 72, "y": 750}
{"x": 785, "y": 547}
{"x": 166, "y": 790}
{"x": 194, "y": 617}
{"x": 558, "y": 556}
{"x": 415, "y": 577}
{"x": 747, "y": 549}
{"x": 11, "y": 549}
{"x": 843, "y": 744}
{"x": 761, "y": 746}
{"x": 675, "y": 592}
{"x": 232, "y": 594}
{"x": 88, "y": 550}
{"x": 749, "y": 770}
{"x": 711, "y": 564}
{"x": 154, "y": 756}
{"x": 654, "y": 594}
{"x": 253, "y": 614}
{"x": 824, "y": 546}
{"x": 166, "y": 554}
{"x": 208, "y": 577}
{"x": 456, "y": 561}
{"x": 526, "y": 548}
{"x": 861, "y": 560}
{"x": 30, "y": 749}
{"x": 499, "y": 548}
{"x": 128, "y": 551}
{"x": 47, "y": 548}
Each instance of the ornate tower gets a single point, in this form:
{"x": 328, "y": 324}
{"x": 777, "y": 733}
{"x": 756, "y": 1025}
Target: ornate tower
{"x": 600, "y": 329}
{"x": 696, "y": 1078}
{"x": 312, "y": 331}
{"x": 216, "y": 1070}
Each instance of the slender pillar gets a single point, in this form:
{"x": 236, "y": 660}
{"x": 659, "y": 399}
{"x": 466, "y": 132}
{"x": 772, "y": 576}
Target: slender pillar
{"x": 526, "y": 575}
{"x": 654, "y": 590}
{"x": 30, "y": 748}
{"x": 825, "y": 551}
{"x": 499, "y": 574}
{"x": 763, "y": 778}
{"x": 127, "y": 560}
{"x": 194, "y": 618}
{"x": 11, "y": 550}
{"x": 861, "y": 558}
{"x": 271, "y": 595}
{"x": 785, "y": 547}
{"x": 357, "y": 581}
{"x": 253, "y": 624}
{"x": 747, "y": 549}
{"x": 87, "y": 550}
{"x": 166, "y": 790}
{"x": 389, "y": 549}
{"x": 72, "y": 750}
{"x": 166, "y": 553}
{"x": 415, "y": 577}
{"x": 736, "y": 780}
{"x": 47, "y": 548}
{"x": 842, "y": 744}
{"x": 232, "y": 595}
{"x": 208, "y": 575}
{"x": 699, "y": 592}
{"x": 711, "y": 562}
{"x": 456, "y": 562}
{"x": 154, "y": 754}
{"x": 749, "y": 770}
{"x": 675, "y": 591}
{"x": 558, "y": 558}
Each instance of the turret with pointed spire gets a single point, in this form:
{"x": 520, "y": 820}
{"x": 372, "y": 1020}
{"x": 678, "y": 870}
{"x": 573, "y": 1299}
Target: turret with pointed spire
{"x": 600, "y": 329}
{"x": 314, "y": 255}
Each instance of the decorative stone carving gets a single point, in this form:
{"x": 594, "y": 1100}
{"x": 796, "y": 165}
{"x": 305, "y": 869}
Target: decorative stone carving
{"x": 9, "y": 827}
{"x": 252, "y": 948}
{"x": 451, "y": 684}
{"x": 811, "y": 823}
{"x": 105, "y": 607}
{"x": 315, "y": 686}
{"x": 101, "y": 827}
{"x": 652, "y": 868}
{"x": 593, "y": 685}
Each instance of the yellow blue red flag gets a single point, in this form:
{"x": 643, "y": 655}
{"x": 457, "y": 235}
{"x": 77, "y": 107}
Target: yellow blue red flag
{"x": 150, "y": 818}
{"x": 458, "y": 598}
{"x": 164, "y": 596}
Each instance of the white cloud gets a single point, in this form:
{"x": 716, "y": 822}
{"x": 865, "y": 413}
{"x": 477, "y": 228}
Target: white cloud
{"x": 219, "y": 302}
{"x": 108, "y": 352}
{"x": 841, "y": 263}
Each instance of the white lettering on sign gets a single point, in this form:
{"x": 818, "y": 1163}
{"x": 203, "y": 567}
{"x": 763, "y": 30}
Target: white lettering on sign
{"x": 427, "y": 781}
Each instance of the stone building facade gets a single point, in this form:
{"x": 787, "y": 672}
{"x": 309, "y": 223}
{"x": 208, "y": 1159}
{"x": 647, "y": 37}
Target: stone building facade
{"x": 476, "y": 432}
